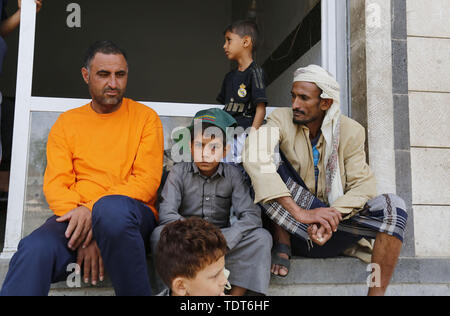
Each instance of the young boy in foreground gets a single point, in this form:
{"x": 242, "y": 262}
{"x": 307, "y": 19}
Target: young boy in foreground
{"x": 207, "y": 188}
{"x": 191, "y": 258}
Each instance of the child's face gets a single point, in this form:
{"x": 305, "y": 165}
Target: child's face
{"x": 207, "y": 153}
{"x": 235, "y": 45}
{"x": 210, "y": 281}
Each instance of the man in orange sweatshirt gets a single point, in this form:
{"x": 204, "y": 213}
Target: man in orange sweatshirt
{"x": 104, "y": 167}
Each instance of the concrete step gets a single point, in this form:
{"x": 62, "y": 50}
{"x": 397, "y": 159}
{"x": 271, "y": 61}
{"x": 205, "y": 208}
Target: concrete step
{"x": 359, "y": 290}
{"x": 325, "y": 277}
{"x": 349, "y": 276}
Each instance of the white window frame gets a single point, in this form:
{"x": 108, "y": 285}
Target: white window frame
{"x": 26, "y": 104}
{"x": 336, "y": 46}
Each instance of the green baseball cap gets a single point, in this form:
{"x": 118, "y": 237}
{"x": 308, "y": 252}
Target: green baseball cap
{"x": 216, "y": 117}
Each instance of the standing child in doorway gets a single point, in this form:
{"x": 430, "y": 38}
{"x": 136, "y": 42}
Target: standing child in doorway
{"x": 243, "y": 89}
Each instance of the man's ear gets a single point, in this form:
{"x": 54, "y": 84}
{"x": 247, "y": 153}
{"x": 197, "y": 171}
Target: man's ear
{"x": 325, "y": 104}
{"x": 85, "y": 74}
{"x": 178, "y": 287}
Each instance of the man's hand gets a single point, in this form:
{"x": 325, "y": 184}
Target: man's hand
{"x": 79, "y": 229}
{"x": 328, "y": 218}
{"x": 92, "y": 263}
{"x": 318, "y": 235}
{"x": 38, "y": 4}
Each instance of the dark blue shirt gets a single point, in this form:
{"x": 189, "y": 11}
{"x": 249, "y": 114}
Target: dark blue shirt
{"x": 3, "y": 46}
{"x": 241, "y": 92}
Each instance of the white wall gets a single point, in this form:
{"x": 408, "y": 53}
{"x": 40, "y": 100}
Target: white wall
{"x": 429, "y": 99}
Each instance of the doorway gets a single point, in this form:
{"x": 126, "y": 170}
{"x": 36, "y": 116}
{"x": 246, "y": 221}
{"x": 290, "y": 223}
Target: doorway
{"x": 176, "y": 61}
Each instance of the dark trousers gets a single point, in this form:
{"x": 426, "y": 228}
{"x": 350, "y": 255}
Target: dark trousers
{"x": 121, "y": 227}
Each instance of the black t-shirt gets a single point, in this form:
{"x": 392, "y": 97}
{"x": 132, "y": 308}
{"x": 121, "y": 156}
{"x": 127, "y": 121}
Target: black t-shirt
{"x": 241, "y": 92}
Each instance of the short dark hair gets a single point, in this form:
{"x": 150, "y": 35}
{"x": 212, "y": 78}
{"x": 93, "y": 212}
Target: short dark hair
{"x": 245, "y": 28}
{"x": 104, "y": 47}
{"x": 186, "y": 247}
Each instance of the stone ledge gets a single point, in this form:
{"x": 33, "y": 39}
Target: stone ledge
{"x": 359, "y": 290}
{"x": 343, "y": 276}
{"x": 104, "y": 291}
{"x": 353, "y": 271}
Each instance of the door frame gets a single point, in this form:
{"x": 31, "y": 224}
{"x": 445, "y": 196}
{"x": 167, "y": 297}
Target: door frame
{"x": 334, "y": 59}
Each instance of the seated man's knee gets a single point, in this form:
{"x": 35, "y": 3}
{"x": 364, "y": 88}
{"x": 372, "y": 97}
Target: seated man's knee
{"x": 41, "y": 243}
{"x": 390, "y": 202}
{"x": 398, "y": 204}
{"x": 112, "y": 214}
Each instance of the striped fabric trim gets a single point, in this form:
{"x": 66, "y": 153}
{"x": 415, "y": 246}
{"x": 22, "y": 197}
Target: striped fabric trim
{"x": 258, "y": 77}
{"x": 385, "y": 213}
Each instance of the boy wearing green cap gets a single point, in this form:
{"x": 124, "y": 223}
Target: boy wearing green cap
{"x": 208, "y": 188}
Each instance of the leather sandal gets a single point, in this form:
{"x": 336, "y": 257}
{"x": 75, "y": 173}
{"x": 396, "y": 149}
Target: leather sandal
{"x": 277, "y": 260}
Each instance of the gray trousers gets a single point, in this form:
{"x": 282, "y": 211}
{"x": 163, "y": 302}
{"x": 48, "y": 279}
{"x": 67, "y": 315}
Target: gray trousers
{"x": 249, "y": 262}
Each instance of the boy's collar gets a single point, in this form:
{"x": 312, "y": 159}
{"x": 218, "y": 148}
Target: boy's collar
{"x": 219, "y": 171}
{"x": 249, "y": 66}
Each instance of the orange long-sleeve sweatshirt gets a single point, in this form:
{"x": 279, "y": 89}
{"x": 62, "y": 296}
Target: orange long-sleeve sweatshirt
{"x": 91, "y": 155}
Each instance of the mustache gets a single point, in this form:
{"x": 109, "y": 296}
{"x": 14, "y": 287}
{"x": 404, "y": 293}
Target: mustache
{"x": 298, "y": 112}
{"x": 109, "y": 89}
